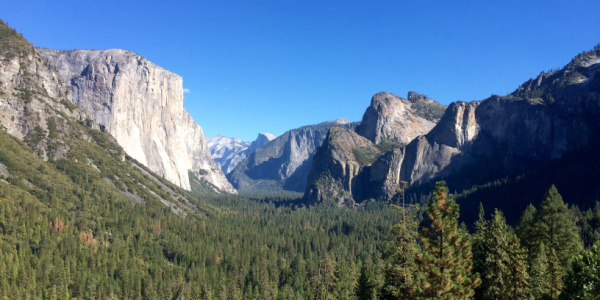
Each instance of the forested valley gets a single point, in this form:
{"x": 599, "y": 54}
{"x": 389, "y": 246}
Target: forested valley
{"x": 73, "y": 239}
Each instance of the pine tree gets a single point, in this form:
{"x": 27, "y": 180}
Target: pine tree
{"x": 518, "y": 281}
{"x": 526, "y": 232}
{"x": 556, "y": 227}
{"x": 446, "y": 256}
{"x": 366, "y": 288}
{"x": 324, "y": 279}
{"x": 555, "y": 272}
{"x": 479, "y": 247}
{"x": 495, "y": 276}
{"x": 540, "y": 279}
{"x": 401, "y": 275}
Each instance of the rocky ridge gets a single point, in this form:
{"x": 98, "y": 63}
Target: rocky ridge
{"x": 353, "y": 166}
{"x": 283, "y": 163}
{"x": 141, "y": 105}
{"x": 477, "y": 142}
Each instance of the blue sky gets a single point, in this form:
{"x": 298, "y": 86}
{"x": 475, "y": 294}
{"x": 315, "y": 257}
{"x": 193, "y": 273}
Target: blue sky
{"x": 271, "y": 66}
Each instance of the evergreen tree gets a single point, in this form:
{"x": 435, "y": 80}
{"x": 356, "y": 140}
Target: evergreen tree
{"x": 526, "y": 232}
{"x": 446, "y": 256}
{"x": 479, "y": 247}
{"x": 402, "y": 278}
{"x": 324, "y": 279}
{"x": 366, "y": 288}
{"x": 540, "y": 279}
{"x": 518, "y": 266}
{"x": 556, "y": 227}
{"x": 495, "y": 276}
{"x": 583, "y": 281}
{"x": 555, "y": 272}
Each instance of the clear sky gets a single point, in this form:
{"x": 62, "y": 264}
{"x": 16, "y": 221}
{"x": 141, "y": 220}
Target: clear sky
{"x": 270, "y": 66}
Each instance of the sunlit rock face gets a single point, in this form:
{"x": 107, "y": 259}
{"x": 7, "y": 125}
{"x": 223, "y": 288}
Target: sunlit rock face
{"x": 141, "y": 105}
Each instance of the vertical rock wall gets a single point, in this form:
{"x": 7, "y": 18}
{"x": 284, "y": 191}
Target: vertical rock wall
{"x": 141, "y": 105}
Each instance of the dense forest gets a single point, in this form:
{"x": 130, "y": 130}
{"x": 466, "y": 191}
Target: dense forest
{"x": 74, "y": 241}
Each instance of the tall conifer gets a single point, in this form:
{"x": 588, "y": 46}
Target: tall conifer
{"x": 583, "y": 280}
{"x": 540, "y": 279}
{"x": 479, "y": 247}
{"x": 446, "y": 257}
{"x": 518, "y": 267}
{"x": 495, "y": 276}
{"x": 555, "y": 272}
{"x": 556, "y": 227}
{"x": 526, "y": 232}
{"x": 401, "y": 274}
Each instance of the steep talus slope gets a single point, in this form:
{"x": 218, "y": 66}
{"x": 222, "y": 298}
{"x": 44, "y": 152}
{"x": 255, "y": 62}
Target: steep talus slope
{"x": 141, "y": 105}
{"x": 390, "y": 118}
{"x": 52, "y": 151}
{"x": 228, "y": 152}
{"x": 283, "y": 163}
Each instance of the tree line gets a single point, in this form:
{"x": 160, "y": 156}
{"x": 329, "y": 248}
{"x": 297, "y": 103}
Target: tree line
{"x": 546, "y": 256}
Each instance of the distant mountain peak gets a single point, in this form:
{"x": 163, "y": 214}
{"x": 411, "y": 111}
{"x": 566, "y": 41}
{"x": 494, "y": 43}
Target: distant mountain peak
{"x": 266, "y": 135}
{"x": 342, "y": 121}
{"x": 228, "y": 152}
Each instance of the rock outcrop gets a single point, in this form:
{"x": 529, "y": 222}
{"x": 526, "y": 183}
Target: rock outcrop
{"x": 373, "y": 152}
{"x": 228, "y": 152}
{"x": 141, "y": 105}
{"x": 390, "y": 118}
{"x": 283, "y": 163}
{"x": 541, "y": 121}
{"x": 474, "y": 143}
{"x": 340, "y": 169}
{"x": 32, "y": 96}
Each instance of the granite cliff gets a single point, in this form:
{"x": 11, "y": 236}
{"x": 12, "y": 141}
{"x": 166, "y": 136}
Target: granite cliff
{"x": 283, "y": 163}
{"x": 54, "y": 152}
{"x": 141, "y": 105}
{"x": 353, "y": 166}
{"x": 340, "y": 168}
{"x": 390, "y": 118}
{"x": 545, "y": 119}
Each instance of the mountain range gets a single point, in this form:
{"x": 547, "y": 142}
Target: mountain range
{"x": 544, "y": 121}
{"x": 283, "y": 163}
{"x": 228, "y": 152}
